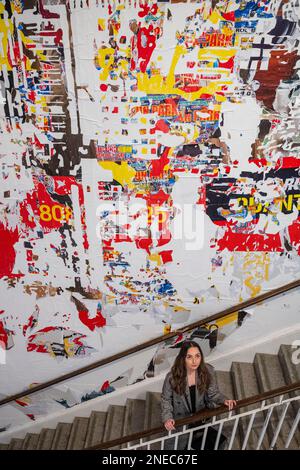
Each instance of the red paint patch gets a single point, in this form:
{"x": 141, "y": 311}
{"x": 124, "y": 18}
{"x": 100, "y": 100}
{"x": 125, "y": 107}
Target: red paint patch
{"x": 143, "y": 243}
{"x": 166, "y": 256}
{"x": 162, "y": 126}
{"x": 3, "y": 335}
{"x": 294, "y": 233}
{"x": 156, "y": 199}
{"x": 249, "y": 242}
{"x": 164, "y": 238}
{"x": 146, "y": 9}
{"x": 228, "y": 16}
{"x": 31, "y": 416}
{"x": 287, "y": 162}
{"x": 105, "y": 386}
{"x": 145, "y": 42}
{"x": 32, "y": 322}
{"x": 157, "y": 166}
{"x": 92, "y": 322}
{"x": 122, "y": 237}
{"x": 21, "y": 403}
{"x": 7, "y": 253}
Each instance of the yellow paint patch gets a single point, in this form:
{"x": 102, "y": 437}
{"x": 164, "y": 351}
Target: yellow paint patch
{"x": 176, "y": 308}
{"x": 158, "y": 84}
{"x": 123, "y": 65}
{"x": 256, "y": 269}
{"x": 226, "y": 30}
{"x": 123, "y": 173}
{"x": 220, "y": 98}
{"x": 105, "y": 59}
{"x": 179, "y": 308}
{"x": 156, "y": 258}
{"x": 167, "y": 329}
{"x": 254, "y": 289}
{"x": 226, "y": 320}
{"x": 68, "y": 348}
{"x": 219, "y": 52}
{"x": 101, "y": 24}
{"x": 129, "y": 286}
{"x": 166, "y": 85}
{"x": 42, "y": 101}
{"x": 6, "y": 29}
{"x": 215, "y": 17}
{"x": 143, "y": 120}
{"x": 17, "y": 6}
{"x": 196, "y": 133}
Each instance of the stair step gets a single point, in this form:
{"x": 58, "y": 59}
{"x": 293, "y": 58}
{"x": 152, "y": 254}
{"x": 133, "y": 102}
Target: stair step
{"x": 134, "y": 418}
{"x": 270, "y": 375}
{"x": 95, "y": 431}
{"x": 153, "y": 416}
{"x": 46, "y": 437}
{"x": 114, "y": 423}
{"x": 78, "y": 434}
{"x": 245, "y": 385}
{"x": 226, "y": 386}
{"x": 268, "y": 371}
{"x": 15, "y": 444}
{"x": 30, "y": 441}
{"x": 291, "y": 371}
{"x": 61, "y": 436}
{"x": 152, "y": 410}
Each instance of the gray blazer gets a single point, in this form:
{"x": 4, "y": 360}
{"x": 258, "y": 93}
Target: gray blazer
{"x": 175, "y": 406}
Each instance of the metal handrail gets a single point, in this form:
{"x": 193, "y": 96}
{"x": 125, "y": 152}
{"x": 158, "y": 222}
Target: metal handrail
{"x": 202, "y": 415}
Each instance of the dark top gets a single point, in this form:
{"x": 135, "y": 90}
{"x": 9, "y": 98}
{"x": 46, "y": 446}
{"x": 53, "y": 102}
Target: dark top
{"x": 193, "y": 397}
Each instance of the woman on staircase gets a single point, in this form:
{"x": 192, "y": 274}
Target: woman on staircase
{"x": 190, "y": 387}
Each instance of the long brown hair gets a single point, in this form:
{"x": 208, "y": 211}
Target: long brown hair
{"x": 179, "y": 372}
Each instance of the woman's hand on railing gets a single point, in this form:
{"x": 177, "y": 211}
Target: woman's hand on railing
{"x": 169, "y": 424}
{"x": 230, "y": 404}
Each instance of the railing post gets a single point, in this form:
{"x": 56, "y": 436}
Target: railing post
{"x": 190, "y": 440}
{"x": 176, "y": 442}
{"x": 279, "y": 425}
{"x": 249, "y": 428}
{"x": 233, "y": 433}
{"x": 218, "y": 435}
{"x": 204, "y": 438}
{"x": 263, "y": 432}
{"x": 293, "y": 429}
